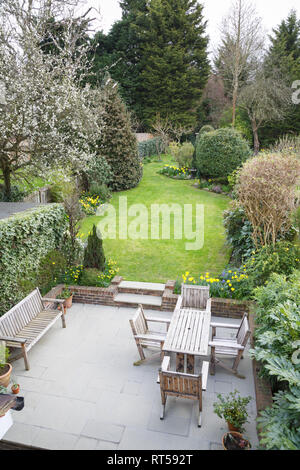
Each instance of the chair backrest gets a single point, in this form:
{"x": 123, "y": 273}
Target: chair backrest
{"x": 244, "y": 331}
{"x": 138, "y": 322}
{"x": 177, "y": 384}
{"x": 194, "y": 296}
{"x": 12, "y": 322}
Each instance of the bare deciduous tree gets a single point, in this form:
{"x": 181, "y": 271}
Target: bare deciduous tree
{"x": 267, "y": 191}
{"x": 242, "y": 44}
{"x": 265, "y": 99}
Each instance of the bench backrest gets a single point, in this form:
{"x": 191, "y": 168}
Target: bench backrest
{"x": 12, "y": 322}
{"x": 194, "y": 296}
{"x": 139, "y": 323}
{"x": 243, "y": 332}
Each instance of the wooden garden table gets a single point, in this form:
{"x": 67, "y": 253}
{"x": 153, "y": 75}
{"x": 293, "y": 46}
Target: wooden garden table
{"x": 188, "y": 336}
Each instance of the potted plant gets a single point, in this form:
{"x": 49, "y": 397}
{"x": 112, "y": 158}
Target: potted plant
{"x": 15, "y": 388}
{"x": 5, "y": 367}
{"x": 233, "y": 409}
{"x": 235, "y": 441}
{"x": 67, "y": 295}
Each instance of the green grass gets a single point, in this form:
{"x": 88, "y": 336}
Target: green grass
{"x": 160, "y": 260}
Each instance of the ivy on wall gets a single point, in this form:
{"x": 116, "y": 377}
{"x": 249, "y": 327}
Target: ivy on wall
{"x": 25, "y": 238}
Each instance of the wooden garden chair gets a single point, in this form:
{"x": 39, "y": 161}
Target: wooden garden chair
{"x": 178, "y": 384}
{"x": 233, "y": 347}
{"x": 193, "y": 297}
{"x": 144, "y": 336}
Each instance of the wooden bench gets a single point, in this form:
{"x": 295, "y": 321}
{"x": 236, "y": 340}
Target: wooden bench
{"x": 28, "y": 321}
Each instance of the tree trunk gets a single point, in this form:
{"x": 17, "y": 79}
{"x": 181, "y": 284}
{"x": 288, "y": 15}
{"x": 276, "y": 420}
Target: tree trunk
{"x": 7, "y": 183}
{"x": 234, "y": 101}
{"x": 256, "y": 143}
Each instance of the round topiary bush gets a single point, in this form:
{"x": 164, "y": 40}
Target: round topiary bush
{"x": 220, "y": 152}
{"x": 206, "y": 128}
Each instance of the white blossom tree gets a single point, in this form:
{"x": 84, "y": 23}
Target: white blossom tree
{"x": 46, "y": 117}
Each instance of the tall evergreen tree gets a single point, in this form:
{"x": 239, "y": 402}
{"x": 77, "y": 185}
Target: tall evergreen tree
{"x": 284, "y": 57}
{"x": 118, "y": 144}
{"x": 174, "y": 60}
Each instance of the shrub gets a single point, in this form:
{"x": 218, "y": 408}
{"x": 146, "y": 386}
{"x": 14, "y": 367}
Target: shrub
{"x": 17, "y": 194}
{"x": 220, "y": 152}
{"x": 238, "y": 231}
{"x": 50, "y": 270}
{"x": 282, "y": 258}
{"x": 25, "y": 239}
{"x": 152, "y": 147}
{"x": 206, "y": 128}
{"x": 184, "y": 155}
{"x": 118, "y": 144}
{"x": 276, "y": 342}
{"x": 94, "y": 254}
{"x": 97, "y": 171}
{"x": 100, "y": 190}
{"x": 267, "y": 191}
{"x": 233, "y": 409}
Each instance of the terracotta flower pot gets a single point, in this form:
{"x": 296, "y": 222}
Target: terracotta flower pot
{"x": 15, "y": 389}
{"x": 235, "y": 434}
{"x": 68, "y": 302}
{"x": 5, "y": 374}
{"x": 232, "y": 428}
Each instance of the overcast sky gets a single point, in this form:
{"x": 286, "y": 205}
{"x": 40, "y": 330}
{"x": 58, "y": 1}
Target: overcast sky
{"x": 271, "y": 11}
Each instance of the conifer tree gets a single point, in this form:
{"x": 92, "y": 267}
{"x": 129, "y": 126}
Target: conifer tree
{"x": 117, "y": 143}
{"x": 94, "y": 253}
{"x": 174, "y": 60}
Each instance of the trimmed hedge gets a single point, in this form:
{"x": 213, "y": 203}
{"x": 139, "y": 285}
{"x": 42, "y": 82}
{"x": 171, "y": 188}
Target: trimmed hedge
{"x": 25, "y": 239}
{"x": 151, "y": 147}
{"x": 220, "y": 152}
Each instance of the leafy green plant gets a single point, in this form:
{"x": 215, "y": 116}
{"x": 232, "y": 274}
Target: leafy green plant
{"x": 95, "y": 278}
{"x": 94, "y": 253}
{"x": 25, "y": 239}
{"x": 50, "y": 270}
{"x": 65, "y": 293}
{"x": 238, "y": 231}
{"x": 233, "y": 408}
{"x": 184, "y": 155}
{"x": 220, "y": 152}
{"x": 4, "y": 356}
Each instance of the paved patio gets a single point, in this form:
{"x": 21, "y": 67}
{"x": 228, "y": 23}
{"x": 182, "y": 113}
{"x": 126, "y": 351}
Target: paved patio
{"x": 83, "y": 392}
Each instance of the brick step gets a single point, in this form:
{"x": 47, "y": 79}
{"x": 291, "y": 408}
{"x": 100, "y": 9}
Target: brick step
{"x": 141, "y": 288}
{"x": 133, "y": 300}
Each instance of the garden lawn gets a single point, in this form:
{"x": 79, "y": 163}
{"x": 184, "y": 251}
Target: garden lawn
{"x": 161, "y": 260}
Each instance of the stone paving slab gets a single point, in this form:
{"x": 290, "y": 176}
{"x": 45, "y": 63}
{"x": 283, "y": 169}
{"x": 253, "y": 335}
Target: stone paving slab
{"x": 142, "y": 285}
{"x": 149, "y": 300}
{"x": 83, "y": 391}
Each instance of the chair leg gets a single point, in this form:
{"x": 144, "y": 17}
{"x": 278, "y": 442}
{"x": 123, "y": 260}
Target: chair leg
{"x": 27, "y": 367}
{"x": 212, "y": 362}
{"x": 162, "y": 413}
{"x": 200, "y": 412}
{"x": 140, "y": 349}
{"x": 63, "y": 320}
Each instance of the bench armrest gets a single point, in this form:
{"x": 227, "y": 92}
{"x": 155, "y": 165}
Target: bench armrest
{"x": 158, "y": 320}
{"x": 13, "y": 340}
{"x": 221, "y": 344}
{"x": 165, "y": 366}
{"x": 58, "y": 301}
{"x": 179, "y": 303}
{"x": 224, "y": 325}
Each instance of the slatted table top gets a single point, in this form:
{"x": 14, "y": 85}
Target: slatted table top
{"x": 188, "y": 332}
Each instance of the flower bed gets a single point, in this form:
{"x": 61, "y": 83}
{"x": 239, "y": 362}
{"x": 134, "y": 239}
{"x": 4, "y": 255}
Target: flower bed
{"x": 175, "y": 172}
{"x": 89, "y": 204}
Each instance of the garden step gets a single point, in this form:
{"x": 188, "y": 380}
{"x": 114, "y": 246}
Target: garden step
{"x": 133, "y": 300}
{"x": 142, "y": 288}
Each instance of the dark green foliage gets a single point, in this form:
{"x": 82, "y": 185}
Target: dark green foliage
{"x": 50, "y": 270}
{"x": 16, "y": 194}
{"x": 206, "y": 128}
{"x": 158, "y": 54}
{"x": 220, "y": 152}
{"x": 151, "y": 147}
{"x": 25, "y": 239}
{"x": 98, "y": 171}
{"x": 174, "y": 60}
{"x": 238, "y": 232}
{"x": 94, "y": 253}
{"x": 100, "y": 190}
{"x": 118, "y": 144}
{"x": 284, "y": 56}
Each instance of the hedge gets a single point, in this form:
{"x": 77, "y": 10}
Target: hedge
{"x": 151, "y": 147}
{"x": 25, "y": 238}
